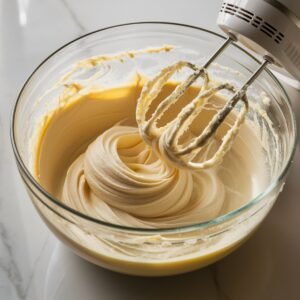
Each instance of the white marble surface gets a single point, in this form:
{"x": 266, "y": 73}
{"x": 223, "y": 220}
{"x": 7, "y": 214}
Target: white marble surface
{"x": 34, "y": 265}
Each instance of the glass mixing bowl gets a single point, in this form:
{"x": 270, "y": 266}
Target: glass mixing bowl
{"x": 155, "y": 252}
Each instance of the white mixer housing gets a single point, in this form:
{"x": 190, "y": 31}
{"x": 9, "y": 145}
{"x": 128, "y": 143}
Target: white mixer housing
{"x": 269, "y": 27}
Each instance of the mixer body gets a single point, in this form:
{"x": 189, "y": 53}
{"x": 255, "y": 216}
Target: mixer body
{"x": 268, "y": 27}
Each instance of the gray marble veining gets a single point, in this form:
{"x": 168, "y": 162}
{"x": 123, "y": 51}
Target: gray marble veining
{"x": 74, "y": 17}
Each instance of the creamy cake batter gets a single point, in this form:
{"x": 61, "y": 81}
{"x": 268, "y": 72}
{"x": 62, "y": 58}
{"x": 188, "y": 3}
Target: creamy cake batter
{"x": 92, "y": 157}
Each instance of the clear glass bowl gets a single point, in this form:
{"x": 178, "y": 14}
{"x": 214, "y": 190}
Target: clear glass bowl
{"x": 154, "y": 252}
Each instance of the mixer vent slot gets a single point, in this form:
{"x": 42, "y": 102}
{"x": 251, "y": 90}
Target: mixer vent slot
{"x": 254, "y": 20}
{"x": 293, "y": 54}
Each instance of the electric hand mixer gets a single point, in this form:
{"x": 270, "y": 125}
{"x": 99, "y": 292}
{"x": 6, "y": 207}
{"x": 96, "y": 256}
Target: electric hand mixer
{"x": 269, "y": 27}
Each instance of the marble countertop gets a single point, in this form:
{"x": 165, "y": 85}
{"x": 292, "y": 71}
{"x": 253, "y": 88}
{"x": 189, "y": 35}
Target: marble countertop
{"x": 34, "y": 265}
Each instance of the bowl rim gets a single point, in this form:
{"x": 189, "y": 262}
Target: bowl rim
{"x": 22, "y": 167}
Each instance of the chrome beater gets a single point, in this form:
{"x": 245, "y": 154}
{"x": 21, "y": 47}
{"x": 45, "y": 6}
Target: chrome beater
{"x": 166, "y": 138}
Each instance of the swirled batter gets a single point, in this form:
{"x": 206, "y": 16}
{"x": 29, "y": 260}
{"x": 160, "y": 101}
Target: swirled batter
{"x": 92, "y": 157}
